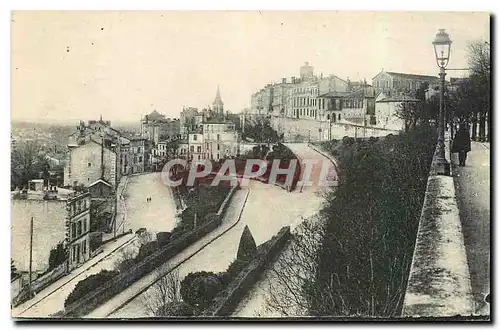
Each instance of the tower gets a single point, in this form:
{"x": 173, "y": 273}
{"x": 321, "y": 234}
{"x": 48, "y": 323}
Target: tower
{"x": 218, "y": 105}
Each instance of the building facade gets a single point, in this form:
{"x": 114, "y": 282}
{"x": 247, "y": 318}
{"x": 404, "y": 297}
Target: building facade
{"x": 60, "y": 217}
{"x": 296, "y": 98}
{"x": 395, "y": 83}
{"x": 156, "y": 127}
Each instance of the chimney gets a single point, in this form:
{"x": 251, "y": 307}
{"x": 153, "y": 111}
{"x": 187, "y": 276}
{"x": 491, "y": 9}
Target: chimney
{"x": 293, "y": 79}
{"x": 283, "y": 80}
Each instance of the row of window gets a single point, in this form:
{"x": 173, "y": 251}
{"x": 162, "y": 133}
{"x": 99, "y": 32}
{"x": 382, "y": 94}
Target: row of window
{"x": 79, "y": 249}
{"x": 306, "y": 90}
{"x": 195, "y": 137}
{"x": 78, "y": 206}
{"x": 305, "y": 112}
{"x": 78, "y": 228}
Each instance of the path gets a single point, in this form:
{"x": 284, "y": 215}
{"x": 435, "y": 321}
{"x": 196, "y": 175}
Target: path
{"x": 473, "y": 189}
{"x": 129, "y": 302}
{"x": 298, "y": 206}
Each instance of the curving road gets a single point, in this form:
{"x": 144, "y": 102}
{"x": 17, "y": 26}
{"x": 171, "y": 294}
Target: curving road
{"x": 267, "y": 209}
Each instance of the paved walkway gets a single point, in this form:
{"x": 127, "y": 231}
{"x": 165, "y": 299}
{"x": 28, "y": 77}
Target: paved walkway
{"x": 472, "y": 184}
{"x": 51, "y": 299}
{"x": 128, "y": 302}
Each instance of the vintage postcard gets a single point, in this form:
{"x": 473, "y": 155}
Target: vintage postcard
{"x": 250, "y": 165}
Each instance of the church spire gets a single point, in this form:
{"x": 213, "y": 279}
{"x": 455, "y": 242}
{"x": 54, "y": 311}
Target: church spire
{"x": 218, "y": 105}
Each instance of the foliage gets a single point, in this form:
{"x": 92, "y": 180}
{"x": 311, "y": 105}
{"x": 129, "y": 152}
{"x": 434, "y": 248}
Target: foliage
{"x": 175, "y": 308}
{"x": 89, "y": 284}
{"x": 198, "y": 289}
{"x": 57, "y": 256}
{"x": 355, "y": 257}
{"x": 367, "y": 248}
{"x": 164, "y": 298}
{"x": 27, "y": 164}
{"x": 260, "y": 129}
{"x": 13, "y": 270}
{"x": 247, "y": 248}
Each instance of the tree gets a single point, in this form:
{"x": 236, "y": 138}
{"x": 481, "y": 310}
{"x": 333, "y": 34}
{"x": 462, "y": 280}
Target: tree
{"x": 26, "y": 164}
{"x": 260, "y": 129}
{"x": 290, "y": 285}
{"x": 247, "y": 248}
{"x": 13, "y": 270}
{"x": 164, "y": 297}
{"x": 57, "y": 256}
{"x": 198, "y": 289}
{"x": 479, "y": 60}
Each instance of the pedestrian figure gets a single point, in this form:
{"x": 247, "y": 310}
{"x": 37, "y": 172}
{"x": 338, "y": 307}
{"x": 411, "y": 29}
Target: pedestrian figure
{"x": 461, "y": 143}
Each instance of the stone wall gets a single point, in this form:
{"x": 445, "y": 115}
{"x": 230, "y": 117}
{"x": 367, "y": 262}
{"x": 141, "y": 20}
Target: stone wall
{"x": 225, "y": 303}
{"x": 304, "y": 130}
{"x": 439, "y": 281}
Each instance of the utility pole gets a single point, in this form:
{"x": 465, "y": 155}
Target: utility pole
{"x": 31, "y": 258}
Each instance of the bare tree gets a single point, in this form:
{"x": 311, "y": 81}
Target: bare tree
{"x": 290, "y": 277}
{"x": 165, "y": 292}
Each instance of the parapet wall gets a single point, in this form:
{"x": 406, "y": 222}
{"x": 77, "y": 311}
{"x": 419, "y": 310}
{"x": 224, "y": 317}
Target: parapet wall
{"x": 228, "y": 300}
{"x": 439, "y": 281}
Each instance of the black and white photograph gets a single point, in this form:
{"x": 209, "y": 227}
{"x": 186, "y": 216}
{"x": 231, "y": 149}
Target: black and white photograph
{"x": 250, "y": 165}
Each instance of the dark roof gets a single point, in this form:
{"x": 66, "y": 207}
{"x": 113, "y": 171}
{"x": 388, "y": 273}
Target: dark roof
{"x": 399, "y": 99}
{"x": 410, "y": 76}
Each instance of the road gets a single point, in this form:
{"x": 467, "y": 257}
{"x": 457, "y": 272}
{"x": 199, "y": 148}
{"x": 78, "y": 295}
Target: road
{"x": 157, "y": 215}
{"x": 300, "y": 206}
{"x": 268, "y": 209}
{"x": 472, "y": 184}
{"x": 205, "y": 254}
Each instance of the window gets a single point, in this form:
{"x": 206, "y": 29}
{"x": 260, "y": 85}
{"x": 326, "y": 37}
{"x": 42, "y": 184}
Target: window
{"x": 79, "y": 232}
{"x": 89, "y": 164}
{"x": 195, "y": 137}
{"x": 218, "y": 137}
{"x": 199, "y": 158}
{"x": 84, "y": 225}
{"x": 198, "y": 149}
{"x": 74, "y": 253}
{"x": 73, "y": 230}
{"x": 84, "y": 247}
{"x": 140, "y": 158}
{"x": 218, "y": 148}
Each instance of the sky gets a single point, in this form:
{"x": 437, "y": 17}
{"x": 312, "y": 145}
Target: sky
{"x": 81, "y": 64}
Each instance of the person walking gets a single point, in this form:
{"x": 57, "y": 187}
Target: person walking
{"x": 461, "y": 144}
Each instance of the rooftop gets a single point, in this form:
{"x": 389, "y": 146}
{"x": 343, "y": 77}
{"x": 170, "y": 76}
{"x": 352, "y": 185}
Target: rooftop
{"x": 411, "y": 76}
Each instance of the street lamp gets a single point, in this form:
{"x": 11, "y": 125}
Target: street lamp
{"x": 442, "y": 47}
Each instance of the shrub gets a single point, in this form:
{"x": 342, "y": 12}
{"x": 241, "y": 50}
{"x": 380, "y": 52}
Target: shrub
{"x": 371, "y": 224}
{"x": 247, "y": 248}
{"x": 176, "y": 308}
{"x": 89, "y": 284}
{"x": 146, "y": 250}
{"x": 57, "y": 256}
{"x": 198, "y": 289}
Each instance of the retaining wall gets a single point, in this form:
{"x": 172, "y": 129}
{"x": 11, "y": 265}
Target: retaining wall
{"x": 102, "y": 294}
{"x": 439, "y": 281}
{"x": 228, "y": 300}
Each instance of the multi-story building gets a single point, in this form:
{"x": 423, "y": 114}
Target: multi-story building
{"x": 395, "y": 83}
{"x": 357, "y": 107}
{"x": 296, "y": 98}
{"x": 60, "y": 217}
{"x": 156, "y": 127}
{"x": 97, "y": 151}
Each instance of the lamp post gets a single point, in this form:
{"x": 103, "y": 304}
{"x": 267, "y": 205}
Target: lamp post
{"x": 442, "y": 47}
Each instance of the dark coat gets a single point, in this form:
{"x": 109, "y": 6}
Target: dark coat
{"x": 461, "y": 142}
